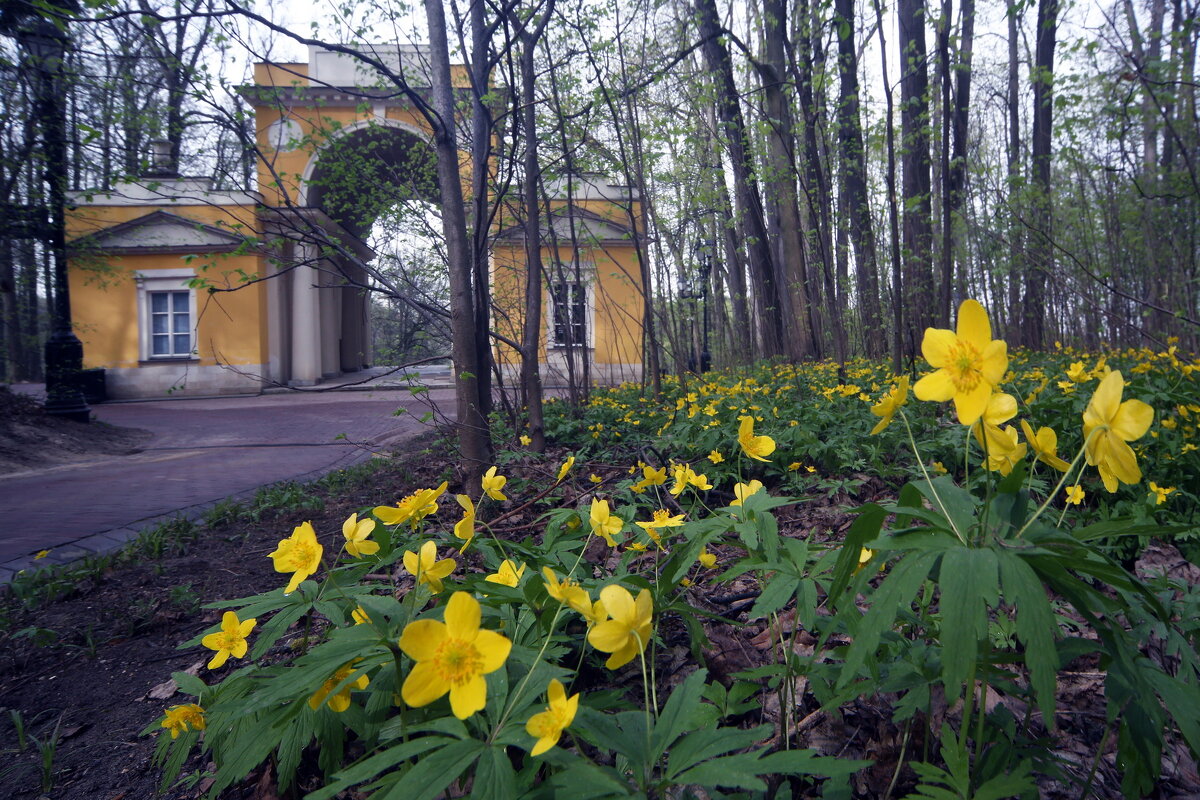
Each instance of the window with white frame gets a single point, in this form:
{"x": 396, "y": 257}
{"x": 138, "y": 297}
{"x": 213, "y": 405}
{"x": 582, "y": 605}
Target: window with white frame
{"x": 568, "y": 314}
{"x": 166, "y": 314}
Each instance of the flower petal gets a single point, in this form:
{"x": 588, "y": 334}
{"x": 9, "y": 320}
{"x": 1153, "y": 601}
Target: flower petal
{"x": 421, "y": 638}
{"x": 493, "y": 650}
{"x": 973, "y": 324}
{"x": 936, "y": 386}
{"x": 462, "y": 616}
{"x": 936, "y": 346}
{"x": 423, "y": 685}
{"x": 469, "y": 697}
{"x": 609, "y": 636}
{"x": 1106, "y": 400}
{"x": 1132, "y": 420}
{"x": 970, "y": 405}
{"x": 618, "y": 602}
{"x": 994, "y": 362}
{"x": 623, "y": 656}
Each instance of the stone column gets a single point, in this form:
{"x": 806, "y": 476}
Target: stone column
{"x": 306, "y": 320}
{"x": 329, "y": 298}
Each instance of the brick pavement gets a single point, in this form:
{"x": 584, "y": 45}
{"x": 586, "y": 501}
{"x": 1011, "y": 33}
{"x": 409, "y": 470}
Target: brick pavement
{"x": 203, "y": 451}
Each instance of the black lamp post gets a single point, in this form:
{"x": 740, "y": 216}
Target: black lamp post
{"x": 46, "y": 45}
{"x": 706, "y": 248}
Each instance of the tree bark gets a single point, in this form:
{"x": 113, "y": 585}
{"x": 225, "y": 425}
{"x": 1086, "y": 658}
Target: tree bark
{"x": 1041, "y": 260}
{"x": 919, "y": 295}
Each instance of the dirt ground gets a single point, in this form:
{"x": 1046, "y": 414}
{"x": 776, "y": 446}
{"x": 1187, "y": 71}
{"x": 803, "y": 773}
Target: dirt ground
{"x": 94, "y": 664}
{"x": 30, "y": 439}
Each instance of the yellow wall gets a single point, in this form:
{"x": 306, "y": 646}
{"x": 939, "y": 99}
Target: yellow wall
{"x": 232, "y": 326}
{"x": 617, "y": 318}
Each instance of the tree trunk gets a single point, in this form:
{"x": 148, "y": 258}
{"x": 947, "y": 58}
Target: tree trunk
{"x": 855, "y": 207}
{"x": 1041, "y": 261}
{"x": 531, "y": 378}
{"x": 919, "y": 295}
{"x": 475, "y": 441}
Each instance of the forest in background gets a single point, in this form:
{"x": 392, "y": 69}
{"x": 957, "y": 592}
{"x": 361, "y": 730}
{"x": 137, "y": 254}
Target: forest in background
{"x": 826, "y": 178}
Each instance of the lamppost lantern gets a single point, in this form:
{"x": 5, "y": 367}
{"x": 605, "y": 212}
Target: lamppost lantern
{"x": 46, "y": 45}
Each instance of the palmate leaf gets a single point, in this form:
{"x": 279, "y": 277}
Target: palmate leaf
{"x": 1036, "y": 628}
{"x": 968, "y": 581}
{"x": 677, "y": 713}
{"x": 434, "y": 772}
{"x": 494, "y": 778}
{"x": 897, "y": 590}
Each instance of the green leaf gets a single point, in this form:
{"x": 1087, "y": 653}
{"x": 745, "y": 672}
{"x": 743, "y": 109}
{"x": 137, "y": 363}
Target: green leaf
{"x": 735, "y": 772}
{"x": 1036, "y": 627}
{"x": 368, "y": 768}
{"x": 189, "y": 684}
{"x": 494, "y": 777}
{"x": 676, "y": 713}
{"x": 436, "y": 771}
{"x": 775, "y": 595}
{"x": 897, "y": 590}
{"x": 968, "y": 582}
{"x": 865, "y": 527}
{"x": 705, "y": 744}
{"x": 950, "y": 499}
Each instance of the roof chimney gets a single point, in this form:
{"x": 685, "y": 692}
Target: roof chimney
{"x": 161, "y": 165}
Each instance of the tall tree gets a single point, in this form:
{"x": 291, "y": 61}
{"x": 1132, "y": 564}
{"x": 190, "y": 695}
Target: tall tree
{"x": 1041, "y": 250}
{"x": 919, "y": 296}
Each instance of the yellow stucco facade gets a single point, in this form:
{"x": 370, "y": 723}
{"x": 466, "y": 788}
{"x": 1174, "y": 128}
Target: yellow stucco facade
{"x": 144, "y": 256}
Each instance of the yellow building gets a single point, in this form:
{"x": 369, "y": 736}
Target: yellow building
{"x": 179, "y": 287}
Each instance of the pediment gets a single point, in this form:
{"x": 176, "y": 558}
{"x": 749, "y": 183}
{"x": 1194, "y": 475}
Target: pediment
{"x": 159, "y": 232}
{"x": 590, "y": 229}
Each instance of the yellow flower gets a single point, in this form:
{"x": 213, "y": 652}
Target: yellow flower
{"x": 864, "y": 558}
{"x": 426, "y": 568}
{"x": 757, "y": 447}
{"x": 567, "y": 591}
{"x": 594, "y": 478}
{"x": 493, "y": 484}
{"x": 1108, "y": 426}
{"x": 547, "y": 726}
{"x": 509, "y": 574}
{"x": 359, "y": 615}
{"x": 605, "y": 523}
{"x": 452, "y": 656}
{"x": 1004, "y": 450}
{"x": 661, "y": 519}
{"x": 1160, "y": 492}
{"x": 525, "y": 440}
{"x": 628, "y": 631}
{"x": 465, "y": 528}
{"x": 715, "y": 457}
{"x": 1075, "y": 494}
{"x": 356, "y": 532}
{"x": 594, "y": 613}
{"x": 707, "y": 560}
{"x": 795, "y": 465}
{"x": 743, "y": 490}
{"x": 565, "y": 468}
{"x": 654, "y": 477}
{"x": 810, "y": 469}
{"x": 42, "y": 554}
{"x": 969, "y": 363}
{"x": 1045, "y": 446}
{"x": 340, "y": 701}
{"x": 299, "y": 554}
{"x": 179, "y": 718}
{"x": 1077, "y": 372}
{"x": 230, "y": 640}
{"x": 940, "y": 468}
{"x": 411, "y": 509}
{"x": 890, "y": 404}
{"x": 638, "y": 547}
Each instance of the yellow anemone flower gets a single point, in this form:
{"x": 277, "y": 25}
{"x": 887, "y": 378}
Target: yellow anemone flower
{"x": 662, "y": 519}
{"x": 969, "y": 363}
{"x": 356, "y": 532}
{"x": 757, "y": 447}
{"x": 1077, "y": 372}
{"x": 1045, "y": 446}
{"x": 567, "y": 591}
{"x": 604, "y": 523}
{"x": 230, "y": 640}
{"x": 426, "y": 568}
{"x": 452, "y": 656}
{"x": 715, "y": 457}
{"x": 1108, "y": 426}
{"x": 1160, "y": 492}
{"x": 1004, "y": 450}
{"x": 890, "y": 404}
{"x": 493, "y": 484}
{"x": 465, "y": 528}
{"x": 628, "y": 631}
{"x": 707, "y": 560}
{"x": 413, "y": 508}
{"x": 743, "y": 490}
{"x": 341, "y": 701}
{"x": 565, "y": 468}
{"x": 547, "y": 726}
{"x": 654, "y": 477}
{"x": 299, "y": 554}
{"x": 1001, "y": 407}
{"x": 509, "y": 574}
{"x": 525, "y": 440}
{"x": 360, "y": 615}
{"x": 1075, "y": 494}
{"x": 179, "y": 718}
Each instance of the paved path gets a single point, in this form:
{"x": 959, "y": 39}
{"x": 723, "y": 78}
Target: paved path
{"x": 203, "y": 451}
